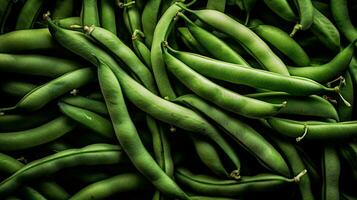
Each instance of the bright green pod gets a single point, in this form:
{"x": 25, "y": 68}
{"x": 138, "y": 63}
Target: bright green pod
{"x": 86, "y": 103}
{"x": 90, "y": 14}
{"x": 331, "y": 170}
{"x": 282, "y": 8}
{"x": 107, "y": 15}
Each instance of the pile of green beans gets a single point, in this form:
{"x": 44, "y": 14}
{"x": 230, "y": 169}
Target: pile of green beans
{"x": 178, "y": 99}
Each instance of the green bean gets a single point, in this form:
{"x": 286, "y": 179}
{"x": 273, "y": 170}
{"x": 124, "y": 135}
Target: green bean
{"x": 216, "y": 5}
{"x": 31, "y": 194}
{"x": 143, "y": 52}
{"x": 281, "y": 8}
{"x": 314, "y": 130}
{"x": 17, "y": 88}
{"x": 43, "y": 94}
{"x": 191, "y": 42}
{"x": 133, "y": 15}
{"x": 107, "y": 15}
{"x": 86, "y": 103}
{"x": 217, "y": 94}
{"x": 340, "y": 13}
{"x": 125, "y": 54}
{"x": 18, "y": 122}
{"x": 213, "y": 44}
{"x": 163, "y": 27}
{"x": 63, "y": 9}
{"x": 242, "y": 133}
{"x": 306, "y": 15}
{"x": 108, "y": 187}
{"x": 331, "y": 170}
{"x": 89, "y": 119}
{"x": 247, "y": 38}
{"x": 206, "y": 185}
{"x": 69, "y": 21}
{"x": 14, "y": 141}
{"x": 95, "y": 154}
{"x": 28, "y": 14}
{"x": 90, "y": 14}
{"x": 312, "y": 105}
{"x": 325, "y": 31}
{"x": 35, "y": 64}
{"x": 128, "y": 137}
{"x": 52, "y": 190}
{"x": 142, "y": 98}
{"x": 328, "y": 71}
{"x": 26, "y": 40}
{"x": 283, "y": 42}
{"x": 347, "y": 91}
{"x": 9, "y": 165}
{"x": 149, "y": 19}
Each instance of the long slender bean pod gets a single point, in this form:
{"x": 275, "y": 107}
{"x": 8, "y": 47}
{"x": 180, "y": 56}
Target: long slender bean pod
{"x": 17, "y": 88}
{"x": 149, "y": 19}
{"x": 331, "y": 169}
{"x": 28, "y": 14}
{"x": 107, "y": 15}
{"x": 86, "y": 103}
{"x": 281, "y": 8}
{"x": 347, "y": 91}
{"x": 143, "y": 52}
{"x": 90, "y": 14}
{"x": 191, "y": 42}
{"x": 340, "y": 14}
{"x": 306, "y": 15}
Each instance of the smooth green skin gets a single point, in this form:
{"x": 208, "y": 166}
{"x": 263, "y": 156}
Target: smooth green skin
{"x": 95, "y": 154}
{"x": 127, "y": 22}
{"x": 216, "y": 5}
{"x": 246, "y": 37}
{"x": 331, "y": 169}
{"x": 217, "y": 94}
{"x": 89, "y": 119}
{"x": 191, "y": 42}
{"x": 149, "y": 19}
{"x": 328, "y": 71}
{"x": 31, "y": 194}
{"x": 63, "y": 9}
{"x": 297, "y": 165}
{"x": 8, "y": 164}
{"x": 284, "y": 43}
{"x": 26, "y": 40}
{"x": 111, "y": 186}
{"x": 325, "y": 31}
{"x": 19, "y": 122}
{"x": 96, "y": 106}
{"x": 14, "y": 141}
{"x": 209, "y": 156}
{"x": 52, "y": 190}
{"x": 242, "y": 133}
{"x": 137, "y": 94}
{"x": 90, "y": 14}
{"x": 43, "y": 94}
{"x": 35, "y": 64}
{"x": 251, "y": 77}
{"x": 67, "y": 22}
{"x": 17, "y": 88}
{"x": 143, "y": 52}
{"x": 134, "y": 18}
{"x": 107, "y": 15}
{"x": 347, "y": 91}
{"x": 162, "y": 30}
{"x": 316, "y": 130}
{"x": 215, "y": 46}
{"x": 206, "y": 185}
{"x": 112, "y": 43}
{"x": 340, "y": 14}
{"x": 128, "y": 137}
{"x": 28, "y": 14}
{"x": 312, "y": 105}
{"x": 306, "y": 14}
{"x": 282, "y": 8}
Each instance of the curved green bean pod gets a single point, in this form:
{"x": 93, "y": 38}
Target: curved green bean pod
{"x": 128, "y": 137}
{"x": 191, "y": 42}
{"x": 17, "y": 88}
{"x": 132, "y": 12}
{"x": 35, "y": 64}
{"x": 242, "y": 133}
{"x": 246, "y": 37}
{"x": 45, "y": 93}
{"x": 340, "y": 13}
{"x": 125, "y": 54}
{"x": 28, "y": 14}
{"x": 86, "y": 103}
{"x": 106, "y": 188}
{"x": 90, "y": 14}
{"x": 331, "y": 169}
{"x": 89, "y": 119}
{"x": 26, "y": 40}
{"x": 14, "y": 141}
{"x": 95, "y": 154}
{"x": 206, "y": 185}
{"x": 325, "y": 31}
{"x": 149, "y": 19}
{"x": 163, "y": 27}
{"x": 328, "y": 71}
{"x": 281, "y": 8}
{"x": 217, "y": 94}
{"x": 8, "y": 164}
{"x": 68, "y": 22}
{"x": 213, "y": 44}
{"x": 283, "y": 42}
{"x": 314, "y": 130}
{"x": 347, "y": 91}
{"x": 107, "y": 15}
{"x": 143, "y": 52}
{"x": 312, "y": 105}
{"x": 306, "y": 15}
{"x": 248, "y": 76}
{"x": 63, "y": 9}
